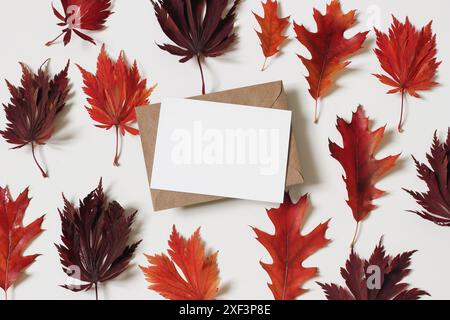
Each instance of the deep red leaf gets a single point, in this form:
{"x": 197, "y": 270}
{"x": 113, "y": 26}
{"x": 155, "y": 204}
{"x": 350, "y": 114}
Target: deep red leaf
{"x": 362, "y": 170}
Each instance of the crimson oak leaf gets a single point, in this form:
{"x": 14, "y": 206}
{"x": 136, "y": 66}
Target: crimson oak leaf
{"x": 378, "y": 278}
{"x": 95, "y": 240}
{"x": 199, "y": 28}
{"x": 34, "y": 107}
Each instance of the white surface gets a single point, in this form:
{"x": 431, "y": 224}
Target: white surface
{"x": 206, "y": 148}
{"x": 79, "y": 154}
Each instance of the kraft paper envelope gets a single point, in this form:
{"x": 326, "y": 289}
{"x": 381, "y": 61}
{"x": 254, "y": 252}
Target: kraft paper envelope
{"x": 268, "y": 95}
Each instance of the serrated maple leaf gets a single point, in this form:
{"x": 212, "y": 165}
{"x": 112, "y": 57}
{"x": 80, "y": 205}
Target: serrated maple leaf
{"x": 289, "y": 249}
{"x": 113, "y": 94}
{"x": 95, "y": 240}
{"x": 272, "y": 28}
{"x": 436, "y": 201}
{"x": 198, "y": 28}
{"x": 34, "y": 107}
{"x": 408, "y": 56}
{"x": 328, "y": 48}
{"x": 199, "y": 278}
{"x": 89, "y": 15}
{"x": 378, "y": 278}
{"x": 15, "y": 238}
{"x": 362, "y": 170}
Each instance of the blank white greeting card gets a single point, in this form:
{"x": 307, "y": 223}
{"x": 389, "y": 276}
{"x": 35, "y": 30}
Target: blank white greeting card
{"x": 222, "y": 150}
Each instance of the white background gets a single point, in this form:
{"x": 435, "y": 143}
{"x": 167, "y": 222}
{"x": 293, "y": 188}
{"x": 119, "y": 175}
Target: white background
{"x": 79, "y": 154}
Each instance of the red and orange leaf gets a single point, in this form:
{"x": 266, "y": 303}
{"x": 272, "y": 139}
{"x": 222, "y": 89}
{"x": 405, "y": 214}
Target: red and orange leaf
{"x": 289, "y": 249}
{"x": 362, "y": 170}
{"x": 113, "y": 94}
{"x": 328, "y": 47}
{"x": 408, "y": 56}
{"x": 89, "y": 15}
{"x": 14, "y": 237}
{"x": 272, "y": 28}
{"x": 200, "y": 274}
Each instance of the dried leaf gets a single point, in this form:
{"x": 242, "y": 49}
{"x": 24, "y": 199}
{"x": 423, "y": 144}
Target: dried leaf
{"x": 86, "y": 15}
{"x": 289, "y": 249}
{"x": 15, "y": 238}
{"x": 436, "y": 201}
{"x": 34, "y": 107}
{"x": 272, "y": 29}
{"x": 328, "y": 47}
{"x": 198, "y": 28}
{"x": 408, "y": 56}
{"x": 362, "y": 170}
{"x": 113, "y": 94}
{"x": 95, "y": 240}
{"x": 378, "y": 278}
{"x": 200, "y": 274}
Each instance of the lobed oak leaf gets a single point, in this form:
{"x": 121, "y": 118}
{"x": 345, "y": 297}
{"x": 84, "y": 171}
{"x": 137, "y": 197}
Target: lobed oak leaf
{"x": 15, "y": 238}
{"x": 199, "y": 278}
{"x": 272, "y": 28}
{"x": 95, "y": 240}
{"x": 34, "y": 107}
{"x": 113, "y": 94}
{"x": 289, "y": 249}
{"x": 362, "y": 170}
{"x": 328, "y": 47}
{"x": 436, "y": 201}
{"x": 408, "y": 56}
{"x": 378, "y": 278}
{"x": 86, "y": 15}
{"x": 199, "y": 29}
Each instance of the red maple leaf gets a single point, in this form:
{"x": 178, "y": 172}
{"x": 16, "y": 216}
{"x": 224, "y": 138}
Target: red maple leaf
{"x": 34, "y": 108}
{"x": 80, "y": 15}
{"x": 288, "y": 248}
{"x": 378, "y": 278}
{"x": 362, "y": 170}
{"x": 200, "y": 274}
{"x": 272, "y": 28}
{"x": 113, "y": 94}
{"x": 436, "y": 201}
{"x": 409, "y": 58}
{"x": 198, "y": 29}
{"x": 15, "y": 238}
{"x": 328, "y": 47}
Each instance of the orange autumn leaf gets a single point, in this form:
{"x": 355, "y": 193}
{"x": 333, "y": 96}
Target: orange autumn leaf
{"x": 15, "y": 238}
{"x": 200, "y": 274}
{"x": 113, "y": 94}
{"x": 328, "y": 47}
{"x": 408, "y": 56}
{"x": 362, "y": 170}
{"x": 289, "y": 249}
{"x": 272, "y": 28}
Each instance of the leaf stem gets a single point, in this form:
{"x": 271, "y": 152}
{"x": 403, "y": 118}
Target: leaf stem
{"x": 116, "y": 157}
{"x": 44, "y": 174}
{"x": 6, "y": 295}
{"x": 264, "y": 65}
{"x": 201, "y": 72}
{"x": 96, "y": 291}
{"x": 355, "y": 236}
{"x": 400, "y": 124}
{"x": 48, "y": 44}
{"x": 316, "y": 114}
